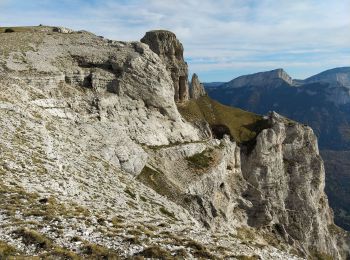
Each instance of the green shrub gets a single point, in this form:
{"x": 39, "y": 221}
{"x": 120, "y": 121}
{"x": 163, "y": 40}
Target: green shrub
{"x": 200, "y": 160}
{"x": 9, "y": 30}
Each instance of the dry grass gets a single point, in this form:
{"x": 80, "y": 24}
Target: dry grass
{"x": 32, "y": 237}
{"x": 93, "y": 251}
{"x": 155, "y": 252}
{"x": 6, "y": 250}
{"x": 243, "y": 126}
{"x": 200, "y": 160}
{"x": 158, "y": 182}
{"x": 21, "y": 29}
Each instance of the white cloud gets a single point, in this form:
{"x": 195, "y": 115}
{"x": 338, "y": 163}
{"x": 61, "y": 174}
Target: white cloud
{"x": 216, "y": 34}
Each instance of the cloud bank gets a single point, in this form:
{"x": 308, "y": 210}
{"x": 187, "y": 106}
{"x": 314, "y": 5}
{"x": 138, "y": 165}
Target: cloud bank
{"x": 222, "y": 38}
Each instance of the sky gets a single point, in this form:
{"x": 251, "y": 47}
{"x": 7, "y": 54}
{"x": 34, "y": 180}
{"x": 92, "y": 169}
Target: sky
{"x": 223, "y": 39}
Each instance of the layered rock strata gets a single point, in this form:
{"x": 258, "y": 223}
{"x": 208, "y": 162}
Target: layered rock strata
{"x": 170, "y": 50}
{"x": 94, "y": 151}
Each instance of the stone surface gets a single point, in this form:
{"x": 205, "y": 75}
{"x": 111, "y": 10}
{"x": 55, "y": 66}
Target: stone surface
{"x": 322, "y": 102}
{"x": 89, "y": 127}
{"x": 286, "y": 186}
{"x": 196, "y": 88}
{"x": 170, "y": 50}
{"x": 62, "y": 30}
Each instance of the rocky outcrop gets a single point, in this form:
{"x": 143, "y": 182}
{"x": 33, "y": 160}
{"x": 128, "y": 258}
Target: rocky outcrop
{"x": 286, "y": 186}
{"x": 91, "y": 137}
{"x": 62, "y": 30}
{"x": 271, "y": 78}
{"x": 196, "y": 88}
{"x": 126, "y": 86}
{"x": 276, "y": 186}
{"x": 170, "y": 50}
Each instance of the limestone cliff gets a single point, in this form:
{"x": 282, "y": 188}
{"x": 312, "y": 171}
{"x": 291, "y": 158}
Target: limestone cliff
{"x": 170, "y": 50}
{"x": 268, "y": 78}
{"x": 285, "y": 176}
{"x": 196, "y": 88}
{"x": 97, "y": 162}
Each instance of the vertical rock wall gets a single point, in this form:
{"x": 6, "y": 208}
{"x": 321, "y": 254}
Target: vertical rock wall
{"x": 197, "y": 89}
{"x": 170, "y": 50}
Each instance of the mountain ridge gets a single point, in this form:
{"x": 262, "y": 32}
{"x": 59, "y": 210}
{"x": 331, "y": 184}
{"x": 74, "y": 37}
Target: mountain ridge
{"x": 276, "y": 76}
{"x": 105, "y": 155}
{"x": 321, "y": 101}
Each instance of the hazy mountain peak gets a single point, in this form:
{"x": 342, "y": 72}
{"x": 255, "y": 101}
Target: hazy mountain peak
{"x": 335, "y": 77}
{"x": 266, "y": 78}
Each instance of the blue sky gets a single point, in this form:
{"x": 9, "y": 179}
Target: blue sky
{"x": 222, "y": 38}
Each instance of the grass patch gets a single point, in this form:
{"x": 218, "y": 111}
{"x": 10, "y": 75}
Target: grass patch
{"x": 130, "y": 193}
{"x": 61, "y": 253}
{"x": 200, "y": 251}
{"x": 6, "y": 250}
{"x": 22, "y": 29}
{"x": 94, "y": 251}
{"x": 165, "y": 212}
{"x": 158, "y": 182}
{"x": 246, "y": 257}
{"x": 316, "y": 255}
{"x": 200, "y": 160}
{"x": 246, "y": 234}
{"x": 32, "y": 237}
{"x": 243, "y": 126}
{"x": 155, "y": 252}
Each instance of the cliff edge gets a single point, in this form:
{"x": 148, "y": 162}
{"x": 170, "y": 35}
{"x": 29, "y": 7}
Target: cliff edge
{"x": 103, "y": 155}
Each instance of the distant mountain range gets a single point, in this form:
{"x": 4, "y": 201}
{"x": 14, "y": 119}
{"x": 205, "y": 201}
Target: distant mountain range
{"x": 321, "y": 101}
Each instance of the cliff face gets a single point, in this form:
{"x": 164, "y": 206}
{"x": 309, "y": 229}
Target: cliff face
{"x": 268, "y": 78}
{"x": 196, "y": 89}
{"x": 170, "y": 50}
{"x": 97, "y": 161}
{"x": 335, "y": 77}
{"x": 322, "y": 102}
{"x": 286, "y": 177}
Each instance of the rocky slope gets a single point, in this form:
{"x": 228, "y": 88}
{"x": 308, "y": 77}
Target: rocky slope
{"x": 321, "y": 101}
{"x": 98, "y": 162}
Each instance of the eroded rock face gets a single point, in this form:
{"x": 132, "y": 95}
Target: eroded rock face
{"x": 276, "y": 186}
{"x": 127, "y": 87}
{"x": 196, "y": 89}
{"x": 267, "y": 78}
{"x": 170, "y": 50}
{"x": 81, "y": 116}
{"x": 286, "y": 181}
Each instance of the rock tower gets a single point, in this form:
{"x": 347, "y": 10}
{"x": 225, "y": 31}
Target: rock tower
{"x": 197, "y": 89}
{"x": 170, "y": 50}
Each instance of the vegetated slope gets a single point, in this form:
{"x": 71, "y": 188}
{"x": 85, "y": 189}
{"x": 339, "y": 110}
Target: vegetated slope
{"x": 321, "y": 102}
{"x": 97, "y": 162}
{"x": 241, "y": 125}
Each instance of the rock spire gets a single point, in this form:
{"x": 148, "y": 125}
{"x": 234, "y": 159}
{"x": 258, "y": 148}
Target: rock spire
{"x": 170, "y": 50}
